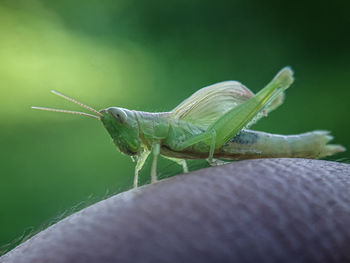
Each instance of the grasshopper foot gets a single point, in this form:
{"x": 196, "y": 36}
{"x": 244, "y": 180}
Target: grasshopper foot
{"x": 216, "y": 162}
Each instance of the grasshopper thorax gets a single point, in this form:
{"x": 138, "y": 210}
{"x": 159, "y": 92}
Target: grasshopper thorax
{"x": 123, "y": 127}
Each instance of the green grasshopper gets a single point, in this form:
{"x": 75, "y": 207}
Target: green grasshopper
{"x": 212, "y": 123}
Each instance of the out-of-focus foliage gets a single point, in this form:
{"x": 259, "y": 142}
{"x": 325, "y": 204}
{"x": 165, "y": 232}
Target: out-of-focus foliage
{"x": 147, "y": 55}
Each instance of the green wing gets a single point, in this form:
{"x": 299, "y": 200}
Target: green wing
{"x": 208, "y": 104}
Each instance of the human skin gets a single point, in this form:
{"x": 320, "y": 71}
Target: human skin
{"x": 264, "y": 210}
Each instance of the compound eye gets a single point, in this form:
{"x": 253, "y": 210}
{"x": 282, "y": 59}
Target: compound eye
{"x": 118, "y": 114}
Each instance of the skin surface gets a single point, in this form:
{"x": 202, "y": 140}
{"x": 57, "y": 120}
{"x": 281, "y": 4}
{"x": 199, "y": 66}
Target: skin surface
{"x": 264, "y": 210}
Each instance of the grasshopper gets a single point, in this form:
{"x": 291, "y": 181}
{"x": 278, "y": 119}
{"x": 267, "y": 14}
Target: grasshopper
{"x": 211, "y": 124}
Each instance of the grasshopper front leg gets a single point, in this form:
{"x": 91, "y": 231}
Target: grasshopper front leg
{"x": 228, "y": 125}
{"x": 140, "y": 162}
{"x": 156, "y": 151}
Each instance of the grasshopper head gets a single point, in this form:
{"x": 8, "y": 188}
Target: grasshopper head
{"x": 122, "y": 125}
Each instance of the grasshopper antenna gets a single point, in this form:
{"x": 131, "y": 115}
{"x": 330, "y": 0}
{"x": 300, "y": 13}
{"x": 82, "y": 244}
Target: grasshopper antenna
{"x": 66, "y": 111}
{"x": 76, "y": 102}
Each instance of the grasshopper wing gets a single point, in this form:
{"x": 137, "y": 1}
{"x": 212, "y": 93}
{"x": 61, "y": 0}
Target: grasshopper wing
{"x": 208, "y": 104}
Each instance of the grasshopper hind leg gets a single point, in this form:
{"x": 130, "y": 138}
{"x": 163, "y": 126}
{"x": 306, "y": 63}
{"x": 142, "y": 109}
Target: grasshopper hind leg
{"x": 211, "y": 160}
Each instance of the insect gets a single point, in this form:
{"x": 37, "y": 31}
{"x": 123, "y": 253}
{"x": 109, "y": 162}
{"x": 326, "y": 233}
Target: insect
{"x": 211, "y": 124}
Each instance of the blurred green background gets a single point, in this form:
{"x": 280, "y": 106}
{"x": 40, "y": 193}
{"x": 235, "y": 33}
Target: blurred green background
{"x": 146, "y": 55}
